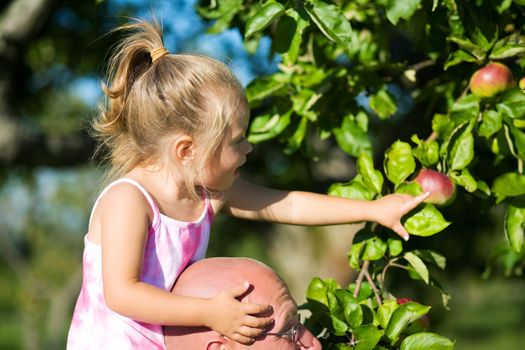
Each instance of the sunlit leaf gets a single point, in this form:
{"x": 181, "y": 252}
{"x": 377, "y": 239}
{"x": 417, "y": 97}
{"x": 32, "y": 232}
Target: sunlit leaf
{"x": 426, "y": 341}
{"x": 426, "y": 222}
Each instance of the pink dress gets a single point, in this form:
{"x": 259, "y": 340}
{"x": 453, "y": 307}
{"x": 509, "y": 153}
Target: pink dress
{"x": 171, "y": 245}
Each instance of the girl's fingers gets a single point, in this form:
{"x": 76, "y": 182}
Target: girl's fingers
{"x": 254, "y": 309}
{"x": 420, "y": 198}
{"x": 239, "y": 290}
{"x": 415, "y": 201}
{"x": 250, "y": 332}
{"x": 400, "y": 230}
{"x": 258, "y": 322}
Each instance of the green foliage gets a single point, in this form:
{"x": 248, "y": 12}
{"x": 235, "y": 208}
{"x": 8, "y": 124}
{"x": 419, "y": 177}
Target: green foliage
{"x": 334, "y": 53}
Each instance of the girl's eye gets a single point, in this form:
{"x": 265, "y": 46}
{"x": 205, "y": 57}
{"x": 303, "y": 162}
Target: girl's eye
{"x": 241, "y": 140}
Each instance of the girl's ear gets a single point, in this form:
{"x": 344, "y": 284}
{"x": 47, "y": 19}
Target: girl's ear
{"x": 216, "y": 343}
{"x": 183, "y": 148}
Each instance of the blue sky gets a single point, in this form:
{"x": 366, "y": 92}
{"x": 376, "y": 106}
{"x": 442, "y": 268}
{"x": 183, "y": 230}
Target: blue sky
{"x": 185, "y": 31}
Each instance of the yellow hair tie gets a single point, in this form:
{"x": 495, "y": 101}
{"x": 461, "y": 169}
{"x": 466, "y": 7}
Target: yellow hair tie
{"x": 158, "y": 53}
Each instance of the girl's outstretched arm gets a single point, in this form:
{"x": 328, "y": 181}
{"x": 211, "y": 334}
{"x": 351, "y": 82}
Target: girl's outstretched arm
{"x": 124, "y": 224}
{"x": 249, "y": 201}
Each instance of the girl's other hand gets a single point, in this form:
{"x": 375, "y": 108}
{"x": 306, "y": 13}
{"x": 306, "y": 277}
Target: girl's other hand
{"x": 393, "y": 207}
{"x": 237, "y": 320}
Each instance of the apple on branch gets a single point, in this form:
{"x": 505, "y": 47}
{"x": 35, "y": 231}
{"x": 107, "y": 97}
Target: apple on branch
{"x": 491, "y": 80}
{"x": 442, "y": 189}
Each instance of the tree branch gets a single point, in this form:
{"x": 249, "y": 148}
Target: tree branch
{"x": 359, "y": 281}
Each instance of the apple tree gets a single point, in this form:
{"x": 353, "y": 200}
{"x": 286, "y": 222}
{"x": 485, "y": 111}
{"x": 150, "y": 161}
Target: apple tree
{"x": 347, "y": 69}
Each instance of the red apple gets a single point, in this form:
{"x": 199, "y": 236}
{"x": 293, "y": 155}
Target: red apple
{"x": 401, "y": 301}
{"x": 442, "y": 189}
{"x": 491, "y": 80}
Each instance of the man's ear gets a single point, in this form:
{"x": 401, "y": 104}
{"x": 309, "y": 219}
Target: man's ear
{"x": 183, "y": 148}
{"x": 216, "y": 343}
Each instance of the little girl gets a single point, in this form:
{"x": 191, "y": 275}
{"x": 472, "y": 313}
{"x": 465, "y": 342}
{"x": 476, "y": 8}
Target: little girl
{"x": 175, "y": 129}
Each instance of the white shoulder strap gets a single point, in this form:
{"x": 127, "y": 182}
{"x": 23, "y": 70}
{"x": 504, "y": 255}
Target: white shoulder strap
{"x": 134, "y": 183}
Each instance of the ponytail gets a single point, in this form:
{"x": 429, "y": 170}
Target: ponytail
{"x": 134, "y": 55}
{"x": 131, "y": 59}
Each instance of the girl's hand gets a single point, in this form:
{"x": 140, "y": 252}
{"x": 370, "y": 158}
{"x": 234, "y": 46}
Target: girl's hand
{"x": 234, "y": 319}
{"x": 391, "y": 208}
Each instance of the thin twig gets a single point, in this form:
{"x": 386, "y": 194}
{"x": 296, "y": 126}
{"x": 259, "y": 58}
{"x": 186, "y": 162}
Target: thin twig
{"x": 359, "y": 281}
{"x": 374, "y": 288}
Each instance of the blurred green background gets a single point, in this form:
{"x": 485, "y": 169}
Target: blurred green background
{"x": 52, "y": 56}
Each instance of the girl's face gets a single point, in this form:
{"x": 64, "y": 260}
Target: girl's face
{"x": 224, "y": 168}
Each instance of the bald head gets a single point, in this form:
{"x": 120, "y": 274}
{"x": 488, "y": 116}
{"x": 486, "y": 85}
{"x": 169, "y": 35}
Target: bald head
{"x": 205, "y": 278}
{"x": 208, "y": 277}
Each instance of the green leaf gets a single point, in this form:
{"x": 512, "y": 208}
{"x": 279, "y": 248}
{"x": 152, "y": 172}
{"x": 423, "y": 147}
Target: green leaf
{"x": 318, "y": 288}
{"x": 519, "y": 139}
{"x": 345, "y": 307}
{"x": 427, "y": 152}
{"x": 507, "y": 47}
{"x": 303, "y": 102}
{"x": 367, "y": 337}
{"x": 221, "y": 8}
{"x": 454, "y": 18}
{"x": 401, "y": 9}
{"x": 468, "y": 46}
{"x": 395, "y": 246}
{"x": 483, "y": 188}
{"x": 375, "y": 249}
{"x": 385, "y": 311}
{"x": 330, "y": 21}
{"x": 442, "y": 125}
{"x": 418, "y": 265}
{"x": 462, "y": 150}
{"x": 426, "y": 341}
{"x": 352, "y": 138}
{"x": 354, "y": 254}
{"x": 291, "y": 53}
{"x": 402, "y": 316}
{"x": 458, "y": 57}
{"x": 508, "y": 185}
{"x": 265, "y": 127}
{"x": 294, "y": 141}
{"x": 399, "y": 162}
{"x": 371, "y": 177}
{"x": 222, "y": 11}
{"x": 364, "y": 293}
{"x": 481, "y": 33}
{"x": 512, "y": 104}
{"x": 355, "y": 189}
{"x": 261, "y": 88}
{"x": 432, "y": 257}
{"x": 491, "y": 123}
{"x": 465, "y": 109}
{"x": 411, "y": 188}
{"x": 339, "y": 326}
{"x": 465, "y": 179}
{"x": 263, "y": 17}
{"x": 514, "y": 221}
{"x": 510, "y": 50}
{"x": 382, "y": 104}
{"x": 426, "y": 222}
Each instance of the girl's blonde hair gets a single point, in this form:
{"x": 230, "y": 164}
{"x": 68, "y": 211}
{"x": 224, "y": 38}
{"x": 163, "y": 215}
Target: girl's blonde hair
{"x": 148, "y": 101}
